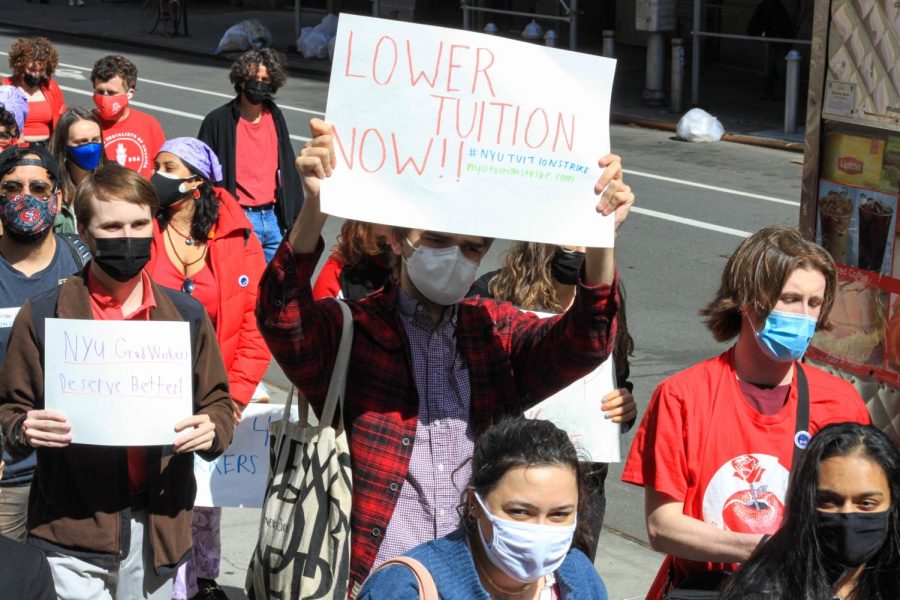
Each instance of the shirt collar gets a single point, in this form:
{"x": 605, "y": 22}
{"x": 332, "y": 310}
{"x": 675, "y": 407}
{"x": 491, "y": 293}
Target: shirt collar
{"x": 104, "y": 298}
{"x": 415, "y": 311}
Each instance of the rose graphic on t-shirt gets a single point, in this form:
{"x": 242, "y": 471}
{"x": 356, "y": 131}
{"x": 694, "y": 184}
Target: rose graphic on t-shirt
{"x": 755, "y": 510}
{"x": 746, "y": 494}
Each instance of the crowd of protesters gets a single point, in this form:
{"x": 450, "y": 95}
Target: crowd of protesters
{"x": 762, "y": 475}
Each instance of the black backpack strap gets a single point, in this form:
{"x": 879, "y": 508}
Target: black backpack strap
{"x": 801, "y": 429}
{"x": 80, "y": 252}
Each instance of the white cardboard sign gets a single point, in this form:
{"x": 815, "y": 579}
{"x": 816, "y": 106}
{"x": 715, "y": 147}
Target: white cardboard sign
{"x": 120, "y": 383}
{"x": 576, "y": 410}
{"x": 463, "y": 132}
{"x": 238, "y": 477}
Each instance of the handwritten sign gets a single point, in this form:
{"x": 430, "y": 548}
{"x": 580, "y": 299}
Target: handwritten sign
{"x": 120, "y": 383}
{"x": 463, "y": 132}
{"x": 238, "y": 478}
{"x": 577, "y": 411}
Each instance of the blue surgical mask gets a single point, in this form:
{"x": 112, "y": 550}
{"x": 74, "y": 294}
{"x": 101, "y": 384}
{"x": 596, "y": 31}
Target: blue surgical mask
{"x": 86, "y": 156}
{"x": 786, "y": 335}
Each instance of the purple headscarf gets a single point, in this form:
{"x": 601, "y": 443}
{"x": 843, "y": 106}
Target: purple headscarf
{"x": 196, "y": 154}
{"x": 13, "y": 100}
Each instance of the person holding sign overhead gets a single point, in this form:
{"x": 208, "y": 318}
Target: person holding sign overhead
{"x": 428, "y": 371}
{"x": 114, "y": 521}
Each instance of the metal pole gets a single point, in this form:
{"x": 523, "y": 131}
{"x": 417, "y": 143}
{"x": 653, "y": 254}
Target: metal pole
{"x": 695, "y": 56}
{"x": 465, "y": 10}
{"x": 609, "y": 43}
{"x": 791, "y": 92}
{"x": 573, "y": 26}
{"x": 655, "y": 76}
{"x": 677, "y": 82}
{"x": 376, "y": 8}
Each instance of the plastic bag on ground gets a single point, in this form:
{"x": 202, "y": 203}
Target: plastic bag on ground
{"x": 314, "y": 41}
{"x": 244, "y": 36}
{"x": 697, "y": 125}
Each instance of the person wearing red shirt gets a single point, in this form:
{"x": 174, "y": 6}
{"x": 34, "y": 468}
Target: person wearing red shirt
{"x": 32, "y": 62}
{"x": 80, "y": 505}
{"x": 130, "y": 137}
{"x": 716, "y": 446}
{"x": 204, "y": 246}
{"x": 421, "y": 351}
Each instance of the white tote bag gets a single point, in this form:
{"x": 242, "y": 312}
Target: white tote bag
{"x": 303, "y": 550}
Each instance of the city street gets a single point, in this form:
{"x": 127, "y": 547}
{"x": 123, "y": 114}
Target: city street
{"x": 695, "y": 202}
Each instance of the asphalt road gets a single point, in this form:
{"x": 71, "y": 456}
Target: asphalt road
{"x": 695, "y": 202}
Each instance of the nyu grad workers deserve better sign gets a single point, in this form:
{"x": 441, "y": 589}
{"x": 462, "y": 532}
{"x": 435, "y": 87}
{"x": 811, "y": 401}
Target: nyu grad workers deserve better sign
{"x": 463, "y": 132}
{"x": 119, "y": 383}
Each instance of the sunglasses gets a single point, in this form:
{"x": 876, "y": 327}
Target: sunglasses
{"x": 188, "y": 286}
{"x": 37, "y": 187}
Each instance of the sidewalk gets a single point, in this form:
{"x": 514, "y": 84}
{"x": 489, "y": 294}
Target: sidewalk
{"x": 731, "y": 95}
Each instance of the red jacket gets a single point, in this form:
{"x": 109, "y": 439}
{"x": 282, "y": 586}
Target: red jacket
{"x": 53, "y": 95}
{"x": 237, "y": 262}
{"x": 515, "y": 360}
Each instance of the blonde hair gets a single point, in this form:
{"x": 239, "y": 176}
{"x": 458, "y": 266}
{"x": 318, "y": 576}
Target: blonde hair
{"x": 525, "y": 278}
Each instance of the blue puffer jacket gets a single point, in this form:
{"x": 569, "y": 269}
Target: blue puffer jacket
{"x": 450, "y": 562}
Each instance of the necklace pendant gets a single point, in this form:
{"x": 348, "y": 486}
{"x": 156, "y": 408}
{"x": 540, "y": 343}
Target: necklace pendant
{"x": 189, "y": 241}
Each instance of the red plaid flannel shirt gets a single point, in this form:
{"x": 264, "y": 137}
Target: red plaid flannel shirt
{"x": 515, "y": 360}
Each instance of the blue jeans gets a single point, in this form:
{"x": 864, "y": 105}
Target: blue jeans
{"x": 265, "y": 226}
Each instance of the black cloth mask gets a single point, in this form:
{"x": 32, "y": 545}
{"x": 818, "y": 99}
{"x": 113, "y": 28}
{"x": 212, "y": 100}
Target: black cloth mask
{"x": 33, "y": 80}
{"x": 566, "y": 266}
{"x": 168, "y": 189}
{"x": 122, "y": 258}
{"x": 851, "y": 539}
{"x": 256, "y": 91}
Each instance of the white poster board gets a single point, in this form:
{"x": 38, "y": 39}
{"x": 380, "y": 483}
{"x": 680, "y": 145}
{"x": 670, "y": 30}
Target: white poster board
{"x": 463, "y": 132}
{"x": 577, "y": 411}
{"x": 238, "y": 477}
{"x": 120, "y": 383}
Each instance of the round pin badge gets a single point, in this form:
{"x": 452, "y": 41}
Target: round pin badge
{"x": 801, "y": 439}
{"x": 243, "y": 281}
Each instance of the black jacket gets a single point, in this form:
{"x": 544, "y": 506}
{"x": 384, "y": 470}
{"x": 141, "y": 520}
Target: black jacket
{"x": 219, "y": 132}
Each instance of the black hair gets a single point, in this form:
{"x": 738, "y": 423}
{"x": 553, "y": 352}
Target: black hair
{"x": 520, "y": 442}
{"x": 247, "y": 64}
{"x": 8, "y": 120}
{"x": 206, "y": 207}
{"x": 790, "y": 564}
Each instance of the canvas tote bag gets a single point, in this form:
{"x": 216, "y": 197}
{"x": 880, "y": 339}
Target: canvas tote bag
{"x": 303, "y": 550}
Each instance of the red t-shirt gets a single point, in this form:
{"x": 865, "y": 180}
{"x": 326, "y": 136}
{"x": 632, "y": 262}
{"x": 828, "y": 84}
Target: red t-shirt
{"x": 256, "y": 161}
{"x": 701, "y": 443}
{"x": 134, "y": 141}
{"x": 40, "y": 118}
{"x": 206, "y": 289}
{"x": 106, "y": 308}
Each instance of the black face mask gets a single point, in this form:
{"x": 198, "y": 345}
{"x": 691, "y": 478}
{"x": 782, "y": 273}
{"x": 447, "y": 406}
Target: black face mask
{"x": 168, "y": 189}
{"x": 33, "y": 80}
{"x": 565, "y": 266}
{"x": 256, "y": 91}
{"x": 851, "y": 539}
{"x": 385, "y": 255}
{"x": 122, "y": 258}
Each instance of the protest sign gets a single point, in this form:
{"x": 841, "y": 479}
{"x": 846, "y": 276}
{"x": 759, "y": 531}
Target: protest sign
{"x": 238, "y": 478}
{"x": 577, "y": 411}
{"x": 119, "y": 383}
{"x": 457, "y": 131}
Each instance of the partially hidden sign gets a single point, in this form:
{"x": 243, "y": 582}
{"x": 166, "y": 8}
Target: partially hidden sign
{"x": 119, "y": 383}
{"x": 238, "y": 478}
{"x": 576, "y": 410}
{"x": 463, "y": 132}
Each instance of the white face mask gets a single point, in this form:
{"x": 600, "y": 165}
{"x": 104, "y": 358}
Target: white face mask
{"x": 443, "y": 275}
{"x": 525, "y": 551}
